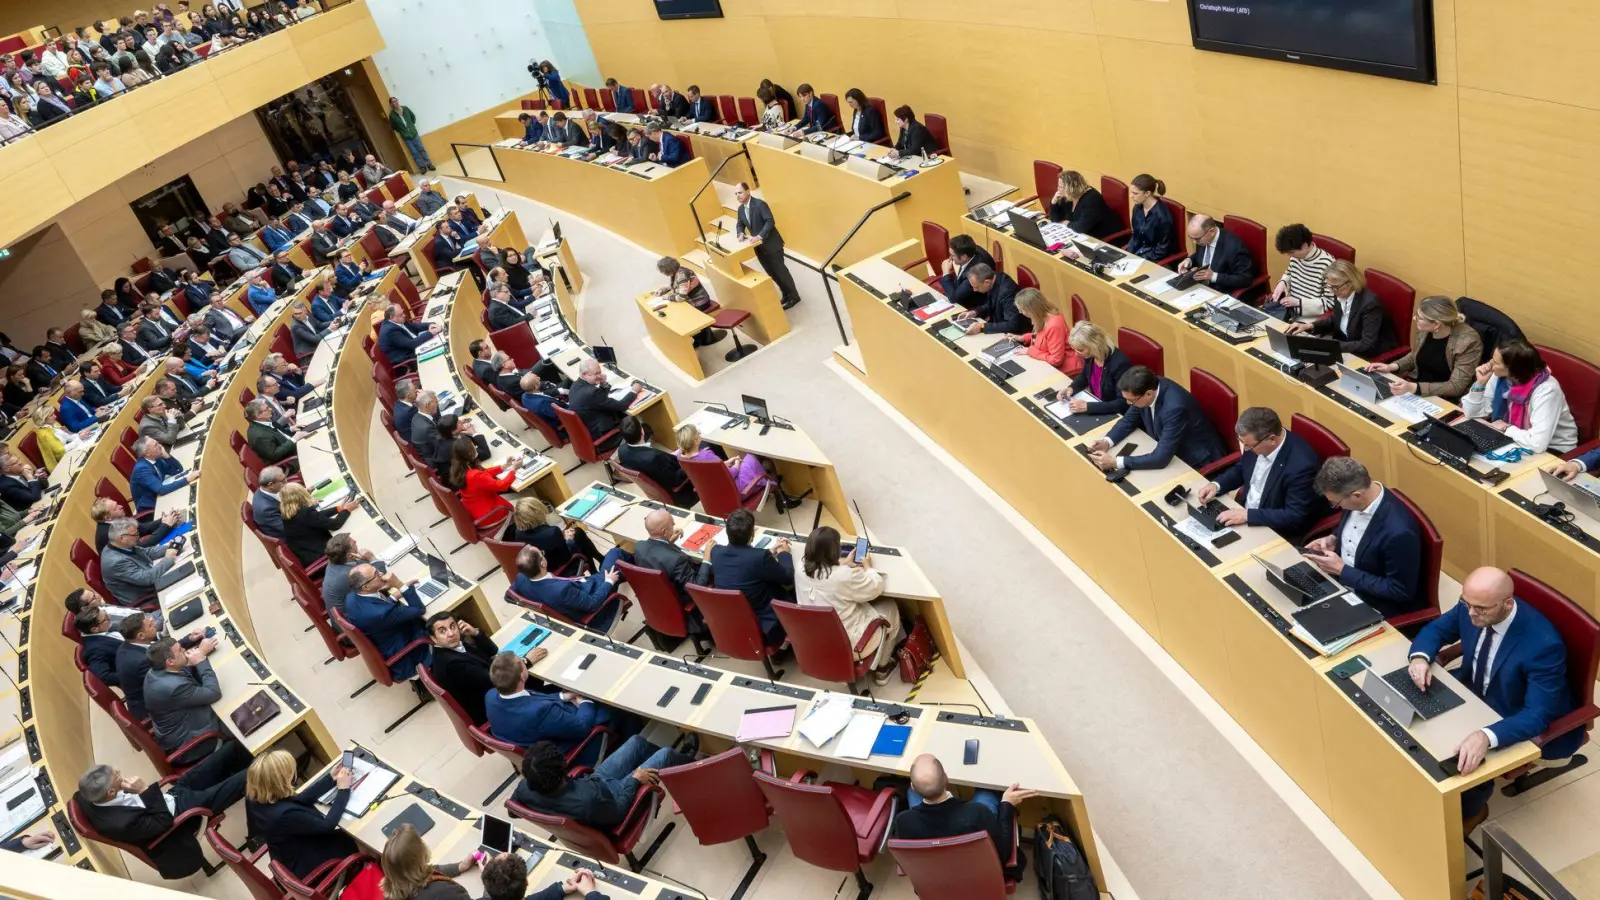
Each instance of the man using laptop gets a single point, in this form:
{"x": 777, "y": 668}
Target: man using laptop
{"x": 1376, "y": 549}
{"x": 1569, "y": 470}
{"x": 1278, "y": 472}
{"x": 1514, "y": 660}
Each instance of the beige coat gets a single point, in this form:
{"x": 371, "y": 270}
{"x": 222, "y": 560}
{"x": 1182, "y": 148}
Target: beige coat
{"x": 853, "y": 593}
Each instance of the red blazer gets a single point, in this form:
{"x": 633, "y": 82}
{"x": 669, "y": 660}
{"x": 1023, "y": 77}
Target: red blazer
{"x": 116, "y": 371}
{"x": 1050, "y": 345}
{"x": 481, "y": 496}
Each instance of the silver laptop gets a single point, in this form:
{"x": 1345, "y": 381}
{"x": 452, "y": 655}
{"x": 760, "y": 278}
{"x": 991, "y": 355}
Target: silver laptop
{"x": 1393, "y": 703}
{"x": 1278, "y": 341}
{"x": 1361, "y": 384}
{"x": 1578, "y": 499}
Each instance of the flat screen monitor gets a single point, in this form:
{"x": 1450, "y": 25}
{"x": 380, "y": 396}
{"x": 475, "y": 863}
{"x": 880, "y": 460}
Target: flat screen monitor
{"x": 689, "y": 9}
{"x": 756, "y": 408}
{"x": 1391, "y": 38}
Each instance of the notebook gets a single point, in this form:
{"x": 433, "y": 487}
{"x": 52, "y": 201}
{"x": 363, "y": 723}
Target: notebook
{"x": 700, "y": 538}
{"x": 766, "y": 723}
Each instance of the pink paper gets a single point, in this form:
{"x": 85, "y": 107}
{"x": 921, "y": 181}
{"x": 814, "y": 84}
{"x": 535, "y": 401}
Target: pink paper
{"x": 766, "y": 724}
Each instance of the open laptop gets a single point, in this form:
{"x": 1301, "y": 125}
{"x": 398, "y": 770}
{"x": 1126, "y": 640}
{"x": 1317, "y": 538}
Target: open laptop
{"x": 1400, "y": 698}
{"x": 1371, "y": 388}
{"x": 1101, "y": 254}
{"x": 1026, "y": 229}
{"x": 438, "y": 579}
{"x": 1448, "y": 439}
{"x": 1575, "y": 497}
{"x": 1302, "y": 582}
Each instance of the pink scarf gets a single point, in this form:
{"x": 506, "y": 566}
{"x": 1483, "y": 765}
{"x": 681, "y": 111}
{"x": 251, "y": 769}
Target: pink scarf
{"x": 1518, "y": 397}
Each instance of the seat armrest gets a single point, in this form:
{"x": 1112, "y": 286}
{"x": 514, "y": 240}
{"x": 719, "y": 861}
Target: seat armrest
{"x": 803, "y": 776}
{"x": 1578, "y": 718}
{"x": 873, "y": 627}
{"x": 1391, "y": 355}
{"x": 1581, "y": 449}
{"x": 419, "y": 642}
{"x": 194, "y": 742}
{"x": 767, "y": 762}
{"x": 183, "y": 818}
{"x": 1212, "y": 468}
{"x": 1414, "y": 618}
{"x": 644, "y": 805}
{"x": 1449, "y": 655}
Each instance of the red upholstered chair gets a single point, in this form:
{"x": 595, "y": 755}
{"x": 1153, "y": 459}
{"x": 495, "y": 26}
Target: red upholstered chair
{"x": 184, "y": 827}
{"x": 73, "y": 338}
{"x": 165, "y": 763}
{"x": 104, "y": 488}
{"x": 375, "y": 251}
{"x": 377, "y": 663}
{"x": 965, "y": 867}
{"x": 626, "y": 604}
{"x": 642, "y": 100}
{"x": 832, "y": 825}
{"x": 609, "y": 847}
{"x": 883, "y": 116}
{"x": 1220, "y": 404}
{"x": 123, "y": 461}
{"x": 69, "y": 630}
{"x": 727, "y": 109}
{"x": 533, "y": 104}
{"x": 591, "y": 98}
{"x": 1398, "y": 299}
{"x": 518, "y": 343}
{"x": 1141, "y": 350}
{"x": 324, "y": 882}
{"x": 719, "y": 494}
{"x": 998, "y": 251}
{"x": 29, "y": 445}
{"x": 939, "y": 130}
{"x": 459, "y": 720}
{"x": 246, "y": 867}
{"x": 470, "y": 529}
{"x": 749, "y": 117}
{"x": 98, "y": 691}
{"x": 831, "y": 101}
{"x": 1115, "y": 193}
{"x": 396, "y": 186}
{"x": 935, "y": 250}
{"x": 1581, "y": 635}
{"x": 608, "y": 100}
{"x": 1580, "y": 382}
{"x": 719, "y": 799}
{"x": 1336, "y": 248}
{"x": 1254, "y": 235}
{"x": 1180, "y": 230}
{"x": 822, "y": 647}
{"x": 317, "y": 614}
{"x": 1326, "y": 445}
{"x": 583, "y": 443}
{"x": 533, "y": 420}
{"x": 651, "y": 487}
{"x": 1046, "y": 177}
{"x": 735, "y": 632}
{"x": 1080, "y": 310}
{"x": 1026, "y": 278}
{"x": 665, "y": 611}
{"x": 788, "y": 109}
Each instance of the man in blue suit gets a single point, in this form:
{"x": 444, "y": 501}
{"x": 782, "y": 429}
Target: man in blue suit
{"x": 671, "y": 151}
{"x": 155, "y": 474}
{"x": 398, "y": 340}
{"x": 276, "y": 236}
{"x": 76, "y": 414}
{"x": 532, "y": 129}
{"x": 701, "y": 108}
{"x": 761, "y": 575}
{"x": 1166, "y": 412}
{"x": 575, "y": 598}
{"x": 814, "y": 114}
{"x": 523, "y": 717}
{"x": 1377, "y": 549}
{"x": 1277, "y": 475}
{"x": 347, "y": 275}
{"x": 998, "y": 314}
{"x": 622, "y": 96}
{"x": 325, "y": 305}
{"x": 404, "y": 410}
{"x": 1572, "y": 468}
{"x": 389, "y": 623}
{"x": 1514, "y": 660}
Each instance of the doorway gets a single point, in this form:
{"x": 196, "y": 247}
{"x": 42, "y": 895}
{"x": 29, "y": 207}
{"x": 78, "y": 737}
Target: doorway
{"x": 314, "y": 123}
{"x": 175, "y": 203}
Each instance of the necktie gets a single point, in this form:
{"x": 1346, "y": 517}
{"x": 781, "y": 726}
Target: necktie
{"x": 1148, "y": 417}
{"x": 1480, "y": 664}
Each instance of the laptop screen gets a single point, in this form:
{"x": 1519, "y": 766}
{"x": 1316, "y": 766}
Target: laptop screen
{"x": 438, "y": 569}
{"x": 755, "y": 407}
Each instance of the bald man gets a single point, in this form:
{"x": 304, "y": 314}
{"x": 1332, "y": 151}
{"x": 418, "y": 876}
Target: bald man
{"x": 1514, "y": 660}
{"x": 934, "y": 812}
{"x": 661, "y": 552}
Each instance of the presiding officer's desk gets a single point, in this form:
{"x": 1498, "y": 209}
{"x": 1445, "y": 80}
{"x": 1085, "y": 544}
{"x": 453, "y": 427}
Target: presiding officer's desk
{"x": 1207, "y": 606}
{"x": 671, "y": 325}
{"x": 904, "y": 580}
{"x": 712, "y": 142}
{"x": 456, "y": 833}
{"x": 1012, "y": 749}
{"x": 647, "y": 203}
{"x": 801, "y": 464}
{"x": 1482, "y": 523}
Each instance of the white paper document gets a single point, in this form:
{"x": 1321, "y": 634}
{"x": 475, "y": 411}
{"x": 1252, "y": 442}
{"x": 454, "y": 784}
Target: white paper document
{"x": 1192, "y": 529}
{"x": 827, "y": 718}
{"x": 860, "y": 735}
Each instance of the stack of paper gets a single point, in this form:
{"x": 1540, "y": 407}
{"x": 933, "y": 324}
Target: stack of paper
{"x": 1337, "y": 647}
{"x": 1192, "y": 529}
{"x": 183, "y": 590}
{"x": 768, "y": 723}
{"x": 368, "y": 785}
{"x": 581, "y": 506}
{"x": 860, "y": 735}
{"x": 606, "y": 513}
{"x": 398, "y": 550}
{"x": 827, "y": 718}
{"x": 23, "y": 803}
{"x": 699, "y": 539}
{"x": 933, "y": 309}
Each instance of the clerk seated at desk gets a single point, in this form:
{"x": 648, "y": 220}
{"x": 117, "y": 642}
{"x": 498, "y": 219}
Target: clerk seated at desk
{"x": 701, "y": 108}
{"x": 1219, "y": 259}
{"x": 964, "y": 254}
{"x": 761, "y": 575}
{"x": 600, "y": 799}
{"x": 636, "y": 453}
{"x": 399, "y": 340}
{"x": 126, "y": 810}
{"x": 460, "y": 662}
{"x": 814, "y": 114}
{"x": 1355, "y": 317}
{"x": 933, "y": 812}
{"x": 1516, "y": 394}
{"x": 591, "y": 599}
{"x": 1376, "y": 549}
{"x": 1103, "y": 366}
{"x": 390, "y": 623}
{"x": 998, "y": 314}
{"x": 639, "y": 149}
{"x": 1082, "y": 208}
{"x": 865, "y": 125}
{"x": 1515, "y": 661}
{"x": 1445, "y": 353}
{"x": 915, "y": 139}
{"x": 155, "y": 474}
{"x": 604, "y": 136}
{"x": 1166, "y": 412}
{"x": 1276, "y": 477}
{"x": 1155, "y": 235}
{"x": 523, "y": 717}
{"x": 178, "y": 692}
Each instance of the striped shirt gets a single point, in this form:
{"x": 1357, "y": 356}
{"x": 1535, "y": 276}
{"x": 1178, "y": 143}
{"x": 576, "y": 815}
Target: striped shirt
{"x": 1304, "y": 277}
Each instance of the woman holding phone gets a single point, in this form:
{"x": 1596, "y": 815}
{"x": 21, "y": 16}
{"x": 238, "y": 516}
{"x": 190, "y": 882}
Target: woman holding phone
{"x": 853, "y": 589}
{"x": 297, "y": 834}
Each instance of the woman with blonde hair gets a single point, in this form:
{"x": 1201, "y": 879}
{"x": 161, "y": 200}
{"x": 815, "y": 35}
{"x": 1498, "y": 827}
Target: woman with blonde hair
{"x": 306, "y": 528}
{"x": 1355, "y": 318}
{"x": 92, "y": 331}
{"x": 1445, "y": 352}
{"x": 750, "y": 472}
{"x": 1048, "y": 339}
{"x": 1082, "y": 207}
{"x": 409, "y": 872}
{"x": 48, "y": 436}
{"x": 1103, "y": 367}
{"x": 530, "y": 524}
{"x": 297, "y": 834}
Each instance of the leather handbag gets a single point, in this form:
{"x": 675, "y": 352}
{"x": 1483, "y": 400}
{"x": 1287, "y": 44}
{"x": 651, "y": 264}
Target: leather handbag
{"x": 255, "y": 712}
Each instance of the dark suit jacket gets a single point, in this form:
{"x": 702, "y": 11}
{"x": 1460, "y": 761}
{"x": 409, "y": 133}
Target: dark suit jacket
{"x": 464, "y": 675}
{"x": 676, "y": 105}
{"x": 1090, "y": 215}
{"x": 704, "y": 110}
{"x": 154, "y": 338}
{"x": 445, "y": 248}
{"x": 284, "y": 275}
{"x": 755, "y": 218}
{"x": 424, "y": 436}
{"x": 132, "y": 664}
{"x": 661, "y": 467}
{"x": 1370, "y": 332}
{"x": 670, "y": 560}
{"x": 307, "y": 532}
{"x": 1528, "y": 680}
{"x": 300, "y": 836}
{"x": 180, "y": 705}
{"x": 110, "y": 313}
{"x": 916, "y": 140}
{"x": 999, "y": 309}
{"x": 222, "y": 327}
{"x": 176, "y": 857}
{"x": 1110, "y": 398}
{"x": 403, "y": 414}
{"x": 1231, "y": 262}
{"x": 958, "y": 289}
{"x": 305, "y": 335}
{"x": 504, "y": 315}
{"x": 1388, "y": 571}
{"x": 870, "y": 128}
{"x": 400, "y": 342}
{"x": 600, "y": 413}
{"x": 759, "y": 575}
{"x": 391, "y": 626}
{"x": 20, "y": 494}
{"x": 100, "y": 655}
{"x": 324, "y": 247}
{"x": 1177, "y": 424}
{"x": 272, "y": 445}
{"x": 817, "y": 116}
{"x": 1290, "y": 505}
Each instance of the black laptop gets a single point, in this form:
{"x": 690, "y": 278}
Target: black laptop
{"x": 1026, "y": 229}
{"x": 1337, "y": 618}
